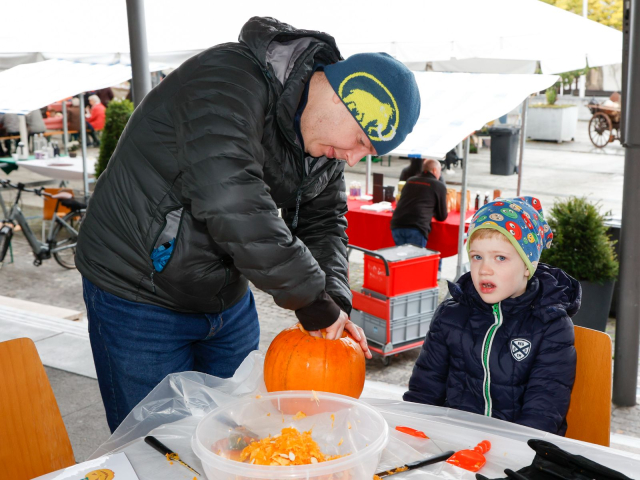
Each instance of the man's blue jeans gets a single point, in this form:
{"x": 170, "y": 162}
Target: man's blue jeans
{"x": 136, "y": 345}
{"x": 402, "y": 236}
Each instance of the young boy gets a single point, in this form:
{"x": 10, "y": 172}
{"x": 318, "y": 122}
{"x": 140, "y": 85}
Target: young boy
{"x": 502, "y": 346}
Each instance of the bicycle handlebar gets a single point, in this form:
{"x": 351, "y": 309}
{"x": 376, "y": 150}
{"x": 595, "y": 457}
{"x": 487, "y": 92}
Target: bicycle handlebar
{"x": 20, "y": 186}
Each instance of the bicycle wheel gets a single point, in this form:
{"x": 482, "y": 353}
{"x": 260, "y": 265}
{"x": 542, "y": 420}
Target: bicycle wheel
{"x": 62, "y": 237}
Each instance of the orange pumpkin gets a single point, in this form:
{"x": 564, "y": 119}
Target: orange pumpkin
{"x": 297, "y": 361}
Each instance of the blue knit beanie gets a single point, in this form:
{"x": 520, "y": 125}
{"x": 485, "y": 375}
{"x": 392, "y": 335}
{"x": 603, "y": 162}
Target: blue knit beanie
{"x": 381, "y": 94}
{"x": 521, "y": 221}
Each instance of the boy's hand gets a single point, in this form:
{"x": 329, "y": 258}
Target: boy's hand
{"x": 335, "y": 330}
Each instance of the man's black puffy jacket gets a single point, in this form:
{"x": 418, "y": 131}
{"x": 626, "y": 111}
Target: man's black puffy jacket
{"x": 514, "y": 361}
{"x": 208, "y": 158}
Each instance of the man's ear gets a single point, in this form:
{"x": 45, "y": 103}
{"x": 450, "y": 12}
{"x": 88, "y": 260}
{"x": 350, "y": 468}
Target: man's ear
{"x": 336, "y": 98}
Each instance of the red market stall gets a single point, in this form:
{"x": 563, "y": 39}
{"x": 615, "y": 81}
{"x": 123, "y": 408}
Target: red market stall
{"x": 372, "y": 230}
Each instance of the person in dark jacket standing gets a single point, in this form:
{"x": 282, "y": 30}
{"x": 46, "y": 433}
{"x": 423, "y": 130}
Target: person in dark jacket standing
{"x": 503, "y": 345}
{"x": 414, "y": 168}
{"x": 186, "y": 213}
{"x": 423, "y": 197}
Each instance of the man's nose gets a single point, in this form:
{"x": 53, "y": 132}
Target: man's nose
{"x": 352, "y": 157}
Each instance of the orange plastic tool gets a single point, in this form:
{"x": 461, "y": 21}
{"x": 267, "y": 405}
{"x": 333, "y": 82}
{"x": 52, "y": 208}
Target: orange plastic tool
{"x": 411, "y": 431}
{"x": 472, "y": 460}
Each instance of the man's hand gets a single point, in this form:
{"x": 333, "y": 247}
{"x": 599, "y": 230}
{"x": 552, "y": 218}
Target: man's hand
{"x": 335, "y": 330}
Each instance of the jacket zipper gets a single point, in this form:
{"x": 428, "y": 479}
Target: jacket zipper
{"x": 300, "y": 190}
{"x": 227, "y": 274}
{"x": 486, "y": 353}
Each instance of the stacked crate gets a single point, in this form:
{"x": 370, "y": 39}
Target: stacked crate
{"x": 395, "y": 310}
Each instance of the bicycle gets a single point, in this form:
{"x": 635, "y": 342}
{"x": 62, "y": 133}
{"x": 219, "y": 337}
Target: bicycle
{"x": 63, "y": 234}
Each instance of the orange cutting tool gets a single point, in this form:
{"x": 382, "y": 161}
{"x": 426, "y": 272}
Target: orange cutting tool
{"x": 472, "y": 460}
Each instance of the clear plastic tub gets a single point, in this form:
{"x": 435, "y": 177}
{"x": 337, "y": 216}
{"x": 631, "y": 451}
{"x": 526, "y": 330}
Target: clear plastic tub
{"x": 356, "y": 430}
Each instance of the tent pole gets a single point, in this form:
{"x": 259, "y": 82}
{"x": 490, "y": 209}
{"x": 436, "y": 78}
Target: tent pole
{"x": 523, "y": 136}
{"x": 625, "y": 372}
{"x": 367, "y": 183}
{"x": 139, "y": 54}
{"x": 65, "y": 130}
{"x": 83, "y": 143}
{"x": 463, "y": 207}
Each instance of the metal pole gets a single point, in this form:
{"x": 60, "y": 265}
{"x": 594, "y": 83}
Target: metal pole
{"x": 523, "y": 136}
{"x": 65, "y": 130}
{"x": 367, "y": 183}
{"x": 626, "y": 27}
{"x": 83, "y": 143}
{"x": 625, "y": 372}
{"x": 463, "y": 207}
{"x": 582, "y": 80}
{"x": 24, "y": 135}
{"x": 139, "y": 55}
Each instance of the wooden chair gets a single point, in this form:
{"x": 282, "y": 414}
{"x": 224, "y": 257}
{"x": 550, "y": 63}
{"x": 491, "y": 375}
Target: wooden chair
{"x": 33, "y": 437}
{"x": 49, "y": 204}
{"x": 589, "y": 416}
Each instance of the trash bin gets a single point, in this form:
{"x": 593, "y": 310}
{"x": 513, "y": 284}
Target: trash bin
{"x": 504, "y": 149}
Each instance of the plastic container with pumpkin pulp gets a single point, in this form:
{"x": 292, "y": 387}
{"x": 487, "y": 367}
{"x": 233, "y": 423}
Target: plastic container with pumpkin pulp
{"x": 356, "y": 430}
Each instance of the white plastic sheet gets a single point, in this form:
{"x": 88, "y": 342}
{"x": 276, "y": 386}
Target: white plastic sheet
{"x": 173, "y": 409}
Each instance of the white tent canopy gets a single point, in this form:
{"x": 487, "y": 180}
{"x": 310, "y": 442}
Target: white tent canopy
{"x": 35, "y": 85}
{"x": 410, "y": 30}
{"x": 454, "y": 105}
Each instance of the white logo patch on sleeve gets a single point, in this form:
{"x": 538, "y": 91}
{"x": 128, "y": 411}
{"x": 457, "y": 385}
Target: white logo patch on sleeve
{"x": 520, "y": 348}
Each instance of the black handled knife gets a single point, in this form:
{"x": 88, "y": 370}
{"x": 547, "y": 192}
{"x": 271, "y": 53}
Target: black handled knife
{"x": 166, "y": 451}
{"x": 441, "y": 457}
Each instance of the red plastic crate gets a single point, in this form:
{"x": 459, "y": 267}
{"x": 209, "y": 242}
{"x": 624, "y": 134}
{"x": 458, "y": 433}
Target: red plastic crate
{"x": 411, "y": 269}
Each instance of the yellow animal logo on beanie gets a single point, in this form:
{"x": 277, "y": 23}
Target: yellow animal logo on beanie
{"x": 372, "y": 105}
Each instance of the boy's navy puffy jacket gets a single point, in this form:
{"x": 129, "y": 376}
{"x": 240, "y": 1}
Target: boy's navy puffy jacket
{"x": 514, "y": 360}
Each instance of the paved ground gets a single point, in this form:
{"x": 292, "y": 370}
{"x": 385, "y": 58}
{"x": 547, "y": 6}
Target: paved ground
{"x": 550, "y": 171}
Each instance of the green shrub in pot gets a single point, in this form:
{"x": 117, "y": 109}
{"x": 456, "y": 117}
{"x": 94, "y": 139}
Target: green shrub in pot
{"x": 582, "y": 248}
{"x": 116, "y": 118}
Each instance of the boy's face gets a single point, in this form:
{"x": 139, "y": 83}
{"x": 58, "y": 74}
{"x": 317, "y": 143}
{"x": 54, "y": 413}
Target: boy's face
{"x": 497, "y": 270}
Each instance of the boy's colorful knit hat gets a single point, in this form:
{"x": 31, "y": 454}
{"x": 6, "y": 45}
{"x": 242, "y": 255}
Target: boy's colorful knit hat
{"x": 381, "y": 94}
{"x": 520, "y": 220}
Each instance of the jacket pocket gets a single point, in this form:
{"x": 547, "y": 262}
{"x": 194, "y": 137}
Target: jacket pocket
{"x": 164, "y": 245}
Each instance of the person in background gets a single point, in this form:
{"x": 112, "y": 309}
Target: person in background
{"x": 35, "y": 125}
{"x": 11, "y": 124}
{"x": 503, "y": 344}
{"x": 3, "y": 133}
{"x": 105, "y": 95}
{"x": 423, "y": 197}
{"x": 74, "y": 117}
{"x": 95, "y": 121}
{"x": 414, "y": 168}
{"x": 452, "y": 159}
